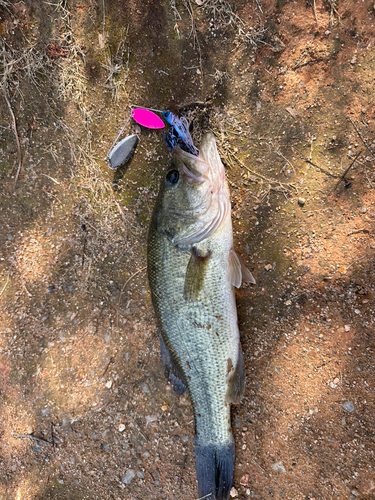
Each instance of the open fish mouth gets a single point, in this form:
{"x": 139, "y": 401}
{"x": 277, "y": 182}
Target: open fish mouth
{"x": 214, "y": 206}
{"x": 194, "y": 167}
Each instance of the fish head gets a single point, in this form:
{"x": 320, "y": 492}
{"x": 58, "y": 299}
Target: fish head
{"x": 194, "y": 199}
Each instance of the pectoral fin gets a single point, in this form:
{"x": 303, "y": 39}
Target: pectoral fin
{"x": 195, "y": 274}
{"x": 237, "y": 271}
{"x": 236, "y": 382}
{"x": 172, "y": 371}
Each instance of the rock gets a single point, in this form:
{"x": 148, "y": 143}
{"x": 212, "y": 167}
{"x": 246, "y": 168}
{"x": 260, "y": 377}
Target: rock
{"x": 301, "y": 201}
{"x": 140, "y": 474}
{"x": 121, "y": 428}
{"x": 151, "y": 418}
{"x": 348, "y": 406}
{"x": 44, "y": 412}
{"x": 244, "y": 480}
{"x": 233, "y": 492}
{"x": 363, "y": 210}
{"x": 278, "y": 467}
{"x": 128, "y": 476}
{"x": 109, "y": 384}
{"x": 145, "y": 388}
{"x": 268, "y": 267}
{"x": 347, "y": 328}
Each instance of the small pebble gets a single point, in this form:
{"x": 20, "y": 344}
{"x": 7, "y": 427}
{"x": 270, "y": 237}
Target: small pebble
{"x": 244, "y": 480}
{"x": 128, "y": 476}
{"x": 151, "y": 418}
{"x": 44, "y": 412}
{"x": 233, "y": 492}
{"x": 268, "y": 267}
{"x": 348, "y": 406}
{"x": 278, "y": 467}
{"x": 363, "y": 210}
{"x": 121, "y": 428}
{"x": 109, "y": 384}
{"x": 301, "y": 201}
{"x": 238, "y": 423}
{"x": 140, "y": 474}
{"x": 347, "y": 328}
{"x": 145, "y": 388}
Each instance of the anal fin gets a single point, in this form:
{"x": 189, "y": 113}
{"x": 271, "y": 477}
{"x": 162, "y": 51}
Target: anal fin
{"x": 172, "y": 371}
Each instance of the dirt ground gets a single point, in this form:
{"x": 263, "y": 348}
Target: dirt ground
{"x": 288, "y": 89}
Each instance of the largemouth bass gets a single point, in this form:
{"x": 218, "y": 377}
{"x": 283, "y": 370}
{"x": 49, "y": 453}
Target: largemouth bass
{"x": 192, "y": 268}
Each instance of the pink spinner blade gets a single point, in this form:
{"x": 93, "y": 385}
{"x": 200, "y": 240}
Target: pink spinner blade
{"x": 147, "y": 118}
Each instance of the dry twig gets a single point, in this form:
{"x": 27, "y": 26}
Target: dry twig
{"x": 360, "y": 135}
{"x": 14, "y": 128}
{"x": 6, "y": 284}
{"x": 283, "y": 187}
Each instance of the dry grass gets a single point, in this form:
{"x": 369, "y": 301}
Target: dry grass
{"x": 117, "y": 68}
{"x": 226, "y": 14}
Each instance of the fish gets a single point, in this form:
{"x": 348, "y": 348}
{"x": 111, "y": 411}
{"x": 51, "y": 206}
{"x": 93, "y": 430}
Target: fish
{"x": 192, "y": 272}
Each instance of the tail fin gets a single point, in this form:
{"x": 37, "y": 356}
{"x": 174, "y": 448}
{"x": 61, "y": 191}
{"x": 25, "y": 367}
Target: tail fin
{"x": 214, "y": 465}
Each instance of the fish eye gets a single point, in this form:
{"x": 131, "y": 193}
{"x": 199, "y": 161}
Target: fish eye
{"x": 172, "y": 177}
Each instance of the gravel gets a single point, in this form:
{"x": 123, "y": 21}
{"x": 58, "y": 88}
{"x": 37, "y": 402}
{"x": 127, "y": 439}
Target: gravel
{"x": 128, "y": 476}
{"x": 348, "y": 406}
{"x": 278, "y": 467}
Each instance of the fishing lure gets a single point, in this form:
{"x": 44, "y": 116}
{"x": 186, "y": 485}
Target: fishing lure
{"x": 178, "y": 134}
{"x": 119, "y": 154}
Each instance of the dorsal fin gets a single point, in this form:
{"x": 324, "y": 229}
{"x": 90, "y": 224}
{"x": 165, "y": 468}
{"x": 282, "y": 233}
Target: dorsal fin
{"x": 247, "y": 277}
{"x": 236, "y": 382}
{"x": 237, "y": 271}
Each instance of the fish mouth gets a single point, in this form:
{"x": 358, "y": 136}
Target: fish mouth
{"x": 214, "y": 209}
{"x": 194, "y": 168}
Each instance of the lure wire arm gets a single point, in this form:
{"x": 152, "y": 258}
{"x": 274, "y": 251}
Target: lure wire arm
{"x": 117, "y": 138}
